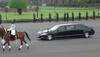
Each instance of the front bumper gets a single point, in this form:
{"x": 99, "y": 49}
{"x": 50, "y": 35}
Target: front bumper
{"x": 42, "y": 36}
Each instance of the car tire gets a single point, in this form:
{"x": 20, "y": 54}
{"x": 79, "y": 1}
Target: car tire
{"x": 49, "y": 37}
{"x": 86, "y": 35}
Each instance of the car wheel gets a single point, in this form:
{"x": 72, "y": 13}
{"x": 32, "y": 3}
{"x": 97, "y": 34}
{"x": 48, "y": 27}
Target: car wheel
{"x": 49, "y": 37}
{"x": 86, "y": 35}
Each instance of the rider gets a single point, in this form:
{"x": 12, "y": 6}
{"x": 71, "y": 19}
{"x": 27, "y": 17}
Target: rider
{"x": 12, "y": 29}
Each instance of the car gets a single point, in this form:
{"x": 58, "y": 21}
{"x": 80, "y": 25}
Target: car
{"x": 64, "y": 30}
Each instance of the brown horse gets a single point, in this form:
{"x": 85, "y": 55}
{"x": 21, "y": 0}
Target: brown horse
{"x": 6, "y": 38}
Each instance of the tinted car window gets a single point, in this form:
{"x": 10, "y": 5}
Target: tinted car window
{"x": 80, "y": 27}
{"x": 70, "y": 27}
{"x": 61, "y": 29}
{"x": 55, "y": 31}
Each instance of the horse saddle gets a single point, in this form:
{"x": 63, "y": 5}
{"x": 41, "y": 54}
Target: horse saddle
{"x": 13, "y": 37}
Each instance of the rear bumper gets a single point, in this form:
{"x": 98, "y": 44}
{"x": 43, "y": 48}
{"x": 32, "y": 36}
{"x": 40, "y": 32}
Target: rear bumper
{"x": 92, "y": 32}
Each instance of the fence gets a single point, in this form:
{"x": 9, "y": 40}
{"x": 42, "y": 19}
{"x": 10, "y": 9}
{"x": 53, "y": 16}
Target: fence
{"x": 65, "y": 17}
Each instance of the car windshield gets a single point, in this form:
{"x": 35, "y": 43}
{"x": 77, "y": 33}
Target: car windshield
{"x": 53, "y": 28}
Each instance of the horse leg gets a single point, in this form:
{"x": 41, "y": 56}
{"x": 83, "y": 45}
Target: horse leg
{"x": 9, "y": 46}
{"x": 4, "y": 46}
{"x": 27, "y": 45}
{"x": 21, "y": 45}
{"x": 2, "y": 41}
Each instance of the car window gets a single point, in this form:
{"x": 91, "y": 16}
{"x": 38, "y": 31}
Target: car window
{"x": 80, "y": 27}
{"x": 61, "y": 29}
{"x": 53, "y": 28}
{"x": 70, "y": 27}
{"x": 55, "y": 31}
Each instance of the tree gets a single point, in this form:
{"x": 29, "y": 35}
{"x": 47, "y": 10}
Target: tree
{"x": 92, "y": 1}
{"x": 3, "y": 4}
{"x": 81, "y": 2}
{"x": 97, "y": 1}
{"x": 18, "y": 4}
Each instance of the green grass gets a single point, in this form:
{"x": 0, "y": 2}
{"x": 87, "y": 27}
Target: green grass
{"x": 53, "y": 10}
{"x": 62, "y": 10}
{"x": 13, "y": 15}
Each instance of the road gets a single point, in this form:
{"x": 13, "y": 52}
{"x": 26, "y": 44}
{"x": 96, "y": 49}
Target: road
{"x": 74, "y": 47}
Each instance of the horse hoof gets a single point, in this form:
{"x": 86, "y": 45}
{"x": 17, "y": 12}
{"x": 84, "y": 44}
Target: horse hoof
{"x": 9, "y": 49}
{"x": 19, "y": 49}
{"x": 3, "y": 49}
{"x": 27, "y": 47}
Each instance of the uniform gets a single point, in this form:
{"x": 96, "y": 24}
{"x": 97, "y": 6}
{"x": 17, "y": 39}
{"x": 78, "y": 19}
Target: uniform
{"x": 12, "y": 30}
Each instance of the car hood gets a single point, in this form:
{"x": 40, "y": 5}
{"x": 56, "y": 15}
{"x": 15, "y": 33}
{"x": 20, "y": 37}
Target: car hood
{"x": 44, "y": 31}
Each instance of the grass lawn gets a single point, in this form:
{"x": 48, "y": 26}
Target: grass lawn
{"x": 53, "y": 10}
{"x": 13, "y": 15}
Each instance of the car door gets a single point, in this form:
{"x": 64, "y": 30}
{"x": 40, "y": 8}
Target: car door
{"x": 70, "y": 30}
{"x": 60, "y": 32}
{"x": 79, "y": 29}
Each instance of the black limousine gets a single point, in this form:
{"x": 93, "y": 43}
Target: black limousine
{"x": 63, "y": 30}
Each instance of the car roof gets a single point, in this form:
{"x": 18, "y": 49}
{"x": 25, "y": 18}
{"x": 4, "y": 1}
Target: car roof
{"x": 66, "y": 24}
{"x": 59, "y": 25}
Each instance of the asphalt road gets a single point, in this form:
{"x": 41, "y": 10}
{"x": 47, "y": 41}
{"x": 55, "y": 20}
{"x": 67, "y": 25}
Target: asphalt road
{"x": 74, "y": 47}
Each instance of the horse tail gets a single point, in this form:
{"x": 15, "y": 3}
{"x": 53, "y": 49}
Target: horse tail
{"x": 27, "y": 36}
